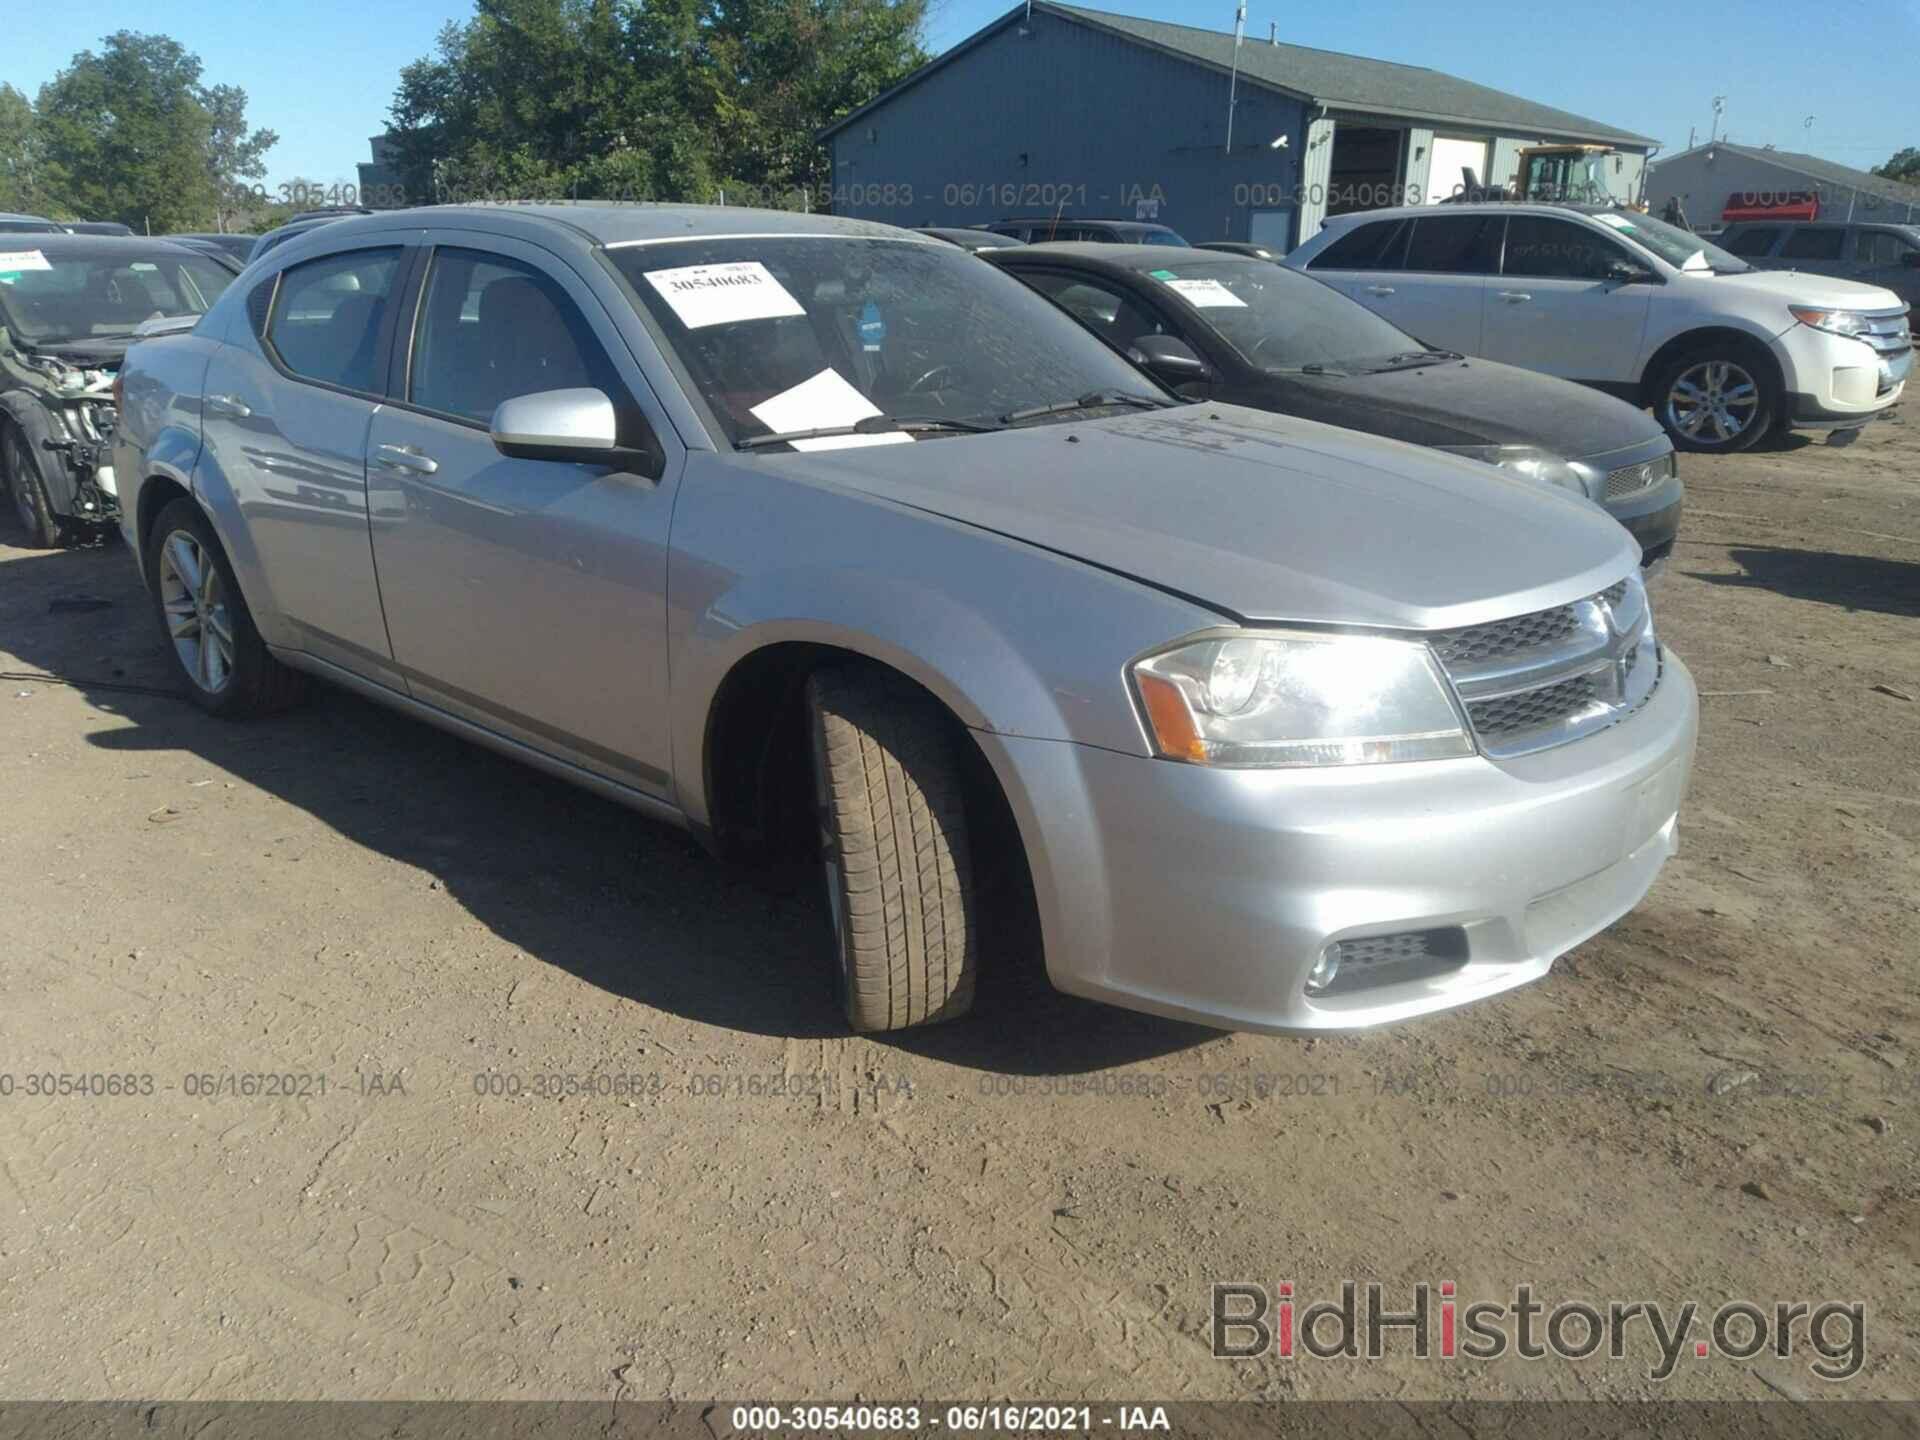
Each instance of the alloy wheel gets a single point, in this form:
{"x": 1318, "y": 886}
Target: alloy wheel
{"x": 1713, "y": 402}
{"x": 194, "y": 601}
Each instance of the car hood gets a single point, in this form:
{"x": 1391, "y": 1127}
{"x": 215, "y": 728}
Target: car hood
{"x": 1467, "y": 402}
{"x": 1259, "y": 516}
{"x": 1800, "y": 287}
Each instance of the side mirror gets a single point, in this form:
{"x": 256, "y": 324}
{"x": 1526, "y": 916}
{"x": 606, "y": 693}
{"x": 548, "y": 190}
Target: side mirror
{"x": 569, "y": 425}
{"x": 1168, "y": 358}
{"x": 1621, "y": 273}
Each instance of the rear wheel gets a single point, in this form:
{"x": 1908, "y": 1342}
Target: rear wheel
{"x": 228, "y": 669}
{"x": 1716, "y": 399}
{"x": 893, "y": 835}
{"x": 27, "y": 489}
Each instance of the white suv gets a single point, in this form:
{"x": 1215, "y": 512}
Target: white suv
{"x": 1618, "y": 300}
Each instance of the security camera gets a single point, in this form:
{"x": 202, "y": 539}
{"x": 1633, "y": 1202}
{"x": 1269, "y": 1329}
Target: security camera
{"x": 1279, "y": 142}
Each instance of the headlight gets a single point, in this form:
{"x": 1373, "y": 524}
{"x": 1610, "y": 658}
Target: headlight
{"x": 1527, "y": 462}
{"x": 1299, "y": 700}
{"x": 1850, "y": 323}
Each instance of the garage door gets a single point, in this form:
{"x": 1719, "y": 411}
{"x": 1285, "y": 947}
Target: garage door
{"x": 1449, "y": 155}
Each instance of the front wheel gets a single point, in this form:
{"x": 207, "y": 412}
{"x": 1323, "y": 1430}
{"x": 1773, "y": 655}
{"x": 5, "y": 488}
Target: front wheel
{"x": 26, "y": 487}
{"x": 228, "y": 669}
{"x": 1715, "y": 400}
{"x": 893, "y": 838}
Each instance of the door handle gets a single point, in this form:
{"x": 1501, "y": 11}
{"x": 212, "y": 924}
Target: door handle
{"x": 404, "y": 457}
{"x": 1379, "y": 290}
{"x": 1515, "y": 297}
{"x": 227, "y": 405}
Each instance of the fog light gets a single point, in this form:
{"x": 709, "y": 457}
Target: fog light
{"x": 1324, "y": 969}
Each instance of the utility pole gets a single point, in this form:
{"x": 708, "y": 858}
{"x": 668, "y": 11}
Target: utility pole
{"x": 1233, "y": 81}
{"x": 1719, "y": 108}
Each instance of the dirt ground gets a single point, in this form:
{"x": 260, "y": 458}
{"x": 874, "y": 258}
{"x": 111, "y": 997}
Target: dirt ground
{"x": 1717, "y": 1099}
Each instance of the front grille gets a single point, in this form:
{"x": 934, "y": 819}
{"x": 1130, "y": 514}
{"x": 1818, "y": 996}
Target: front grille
{"x": 1632, "y": 479}
{"x": 1889, "y": 333}
{"x": 1544, "y": 679}
{"x": 1374, "y": 960}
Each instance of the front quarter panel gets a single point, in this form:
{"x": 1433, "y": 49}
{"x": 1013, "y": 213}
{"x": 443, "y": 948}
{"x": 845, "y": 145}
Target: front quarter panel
{"x": 1013, "y": 639}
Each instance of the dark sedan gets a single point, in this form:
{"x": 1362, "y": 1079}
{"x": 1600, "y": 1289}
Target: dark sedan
{"x": 1247, "y": 332}
{"x": 237, "y": 247}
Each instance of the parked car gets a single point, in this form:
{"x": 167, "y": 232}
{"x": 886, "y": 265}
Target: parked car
{"x": 289, "y": 231}
{"x": 1225, "y": 327}
{"x": 1046, "y": 228}
{"x": 1242, "y": 247}
{"x": 239, "y": 247}
{"x": 777, "y": 525}
{"x": 1883, "y": 254}
{"x": 97, "y": 227}
{"x": 69, "y": 307}
{"x": 1721, "y": 352}
{"x": 14, "y": 224}
{"x": 971, "y": 240}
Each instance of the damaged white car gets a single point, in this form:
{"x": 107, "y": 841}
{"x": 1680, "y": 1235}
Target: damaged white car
{"x": 69, "y": 307}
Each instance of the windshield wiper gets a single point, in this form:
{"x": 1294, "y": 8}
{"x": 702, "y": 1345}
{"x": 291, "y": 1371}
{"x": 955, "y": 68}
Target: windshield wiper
{"x": 1412, "y": 359}
{"x": 871, "y": 425}
{"x": 1093, "y": 401}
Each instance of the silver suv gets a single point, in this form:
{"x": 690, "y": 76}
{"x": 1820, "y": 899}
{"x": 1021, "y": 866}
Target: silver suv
{"x": 737, "y": 516}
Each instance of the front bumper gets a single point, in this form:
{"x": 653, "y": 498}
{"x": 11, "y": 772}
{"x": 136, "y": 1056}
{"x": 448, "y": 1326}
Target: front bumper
{"x": 1834, "y": 382}
{"x": 1209, "y": 895}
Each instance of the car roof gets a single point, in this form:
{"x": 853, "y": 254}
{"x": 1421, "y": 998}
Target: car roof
{"x": 15, "y": 217}
{"x": 613, "y": 223}
{"x": 1475, "y": 207}
{"x": 1126, "y": 258}
{"x": 62, "y": 246}
{"x": 968, "y": 234}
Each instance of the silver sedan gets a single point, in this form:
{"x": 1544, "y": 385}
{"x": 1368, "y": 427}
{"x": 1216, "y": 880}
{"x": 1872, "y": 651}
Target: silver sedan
{"x": 811, "y": 534}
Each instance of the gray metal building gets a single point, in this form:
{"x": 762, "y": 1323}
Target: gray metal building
{"x": 1720, "y": 181}
{"x": 1057, "y": 109}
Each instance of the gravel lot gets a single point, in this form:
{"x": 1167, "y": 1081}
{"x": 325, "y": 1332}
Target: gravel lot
{"x": 1717, "y": 1099}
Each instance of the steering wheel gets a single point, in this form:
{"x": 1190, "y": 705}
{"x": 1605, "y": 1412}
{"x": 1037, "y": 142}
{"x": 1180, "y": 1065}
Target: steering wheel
{"x": 930, "y": 380}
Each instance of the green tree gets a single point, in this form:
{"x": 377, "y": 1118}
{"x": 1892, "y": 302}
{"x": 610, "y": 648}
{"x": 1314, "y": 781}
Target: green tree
{"x": 670, "y": 100}
{"x": 19, "y": 153}
{"x": 1905, "y": 165}
{"x": 129, "y": 133}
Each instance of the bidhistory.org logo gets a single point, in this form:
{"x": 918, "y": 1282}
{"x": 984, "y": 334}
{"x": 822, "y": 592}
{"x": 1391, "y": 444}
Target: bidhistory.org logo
{"x": 1250, "y": 1321}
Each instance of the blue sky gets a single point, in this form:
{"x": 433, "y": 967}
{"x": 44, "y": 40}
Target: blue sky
{"x": 322, "y": 75}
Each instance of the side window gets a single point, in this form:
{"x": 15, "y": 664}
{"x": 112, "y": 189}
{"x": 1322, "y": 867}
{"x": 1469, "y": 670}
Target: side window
{"x": 1882, "y": 248}
{"x": 1548, "y": 249}
{"x": 1754, "y": 241}
{"x": 492, "y": 328}
{"x": 1455, "y": 244}
{"x": 326, "y": 318}
{"x": 1114, "y": 317}
{"x": 1814, "y": 243}
{"x": 1364, "y": 247}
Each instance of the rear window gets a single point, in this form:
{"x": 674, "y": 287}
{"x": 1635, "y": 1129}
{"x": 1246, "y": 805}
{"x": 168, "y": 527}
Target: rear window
{"x": 1365, "y": 247}
{"x": 1455, "y": 244}
{"x": 1753, "y": 242}
{"x": 1812, "y": 244}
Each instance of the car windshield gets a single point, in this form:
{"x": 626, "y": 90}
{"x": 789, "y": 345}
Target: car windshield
{"x": 49, "y": 297}
{"x": 786, "y": 334}
{"x": 1160, "y": 235}
{"x": 1278, "y": 320}
{"x": 1680, "y": 248}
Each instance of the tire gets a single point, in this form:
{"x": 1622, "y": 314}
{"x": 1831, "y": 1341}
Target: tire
{"x": 1734, "y": 394}
{"x": 235, "y": 676}
{"x": 893, "y": 833}
{"x": 27, "y": 491}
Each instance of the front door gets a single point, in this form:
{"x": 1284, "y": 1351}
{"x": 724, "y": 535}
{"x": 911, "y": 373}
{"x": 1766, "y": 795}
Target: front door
{"x": 526, "y": 596}
{"x": 1555, "y": 308}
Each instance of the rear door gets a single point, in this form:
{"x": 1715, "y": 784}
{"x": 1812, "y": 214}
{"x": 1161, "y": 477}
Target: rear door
{"x": 1555, "y": 308}
{"x": 526, "y": 596}
{"x": 285, "y": 418}
{"x": 1817, "y": 249}
{"x": 1890, "y": 259}
{"x": 1439, "y": 293}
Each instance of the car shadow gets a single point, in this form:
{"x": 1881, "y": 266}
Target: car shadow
{"x": 1853, "y": 582}
{"x": 626, "y": 903}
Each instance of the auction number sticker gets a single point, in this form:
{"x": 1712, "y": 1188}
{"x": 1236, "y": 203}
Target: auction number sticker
{"x": 16, "y": 260}
{"x": 703, "y": 295}
{"x": 1207, "y": 294}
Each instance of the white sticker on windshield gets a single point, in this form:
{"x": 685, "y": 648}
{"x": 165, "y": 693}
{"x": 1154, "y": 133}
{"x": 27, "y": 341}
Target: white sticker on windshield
{"x": 821, "y": 403}
{"x": 23, "y": 260}
{"x": 1618, "y": 222}
{"x": 1207, "y": 294}
{"x": 704, "y": 295}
